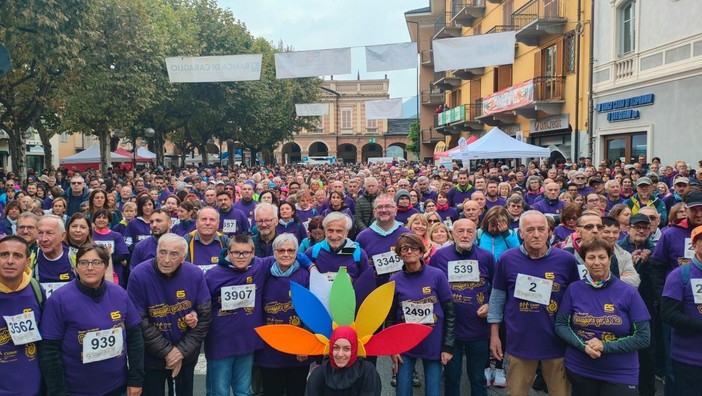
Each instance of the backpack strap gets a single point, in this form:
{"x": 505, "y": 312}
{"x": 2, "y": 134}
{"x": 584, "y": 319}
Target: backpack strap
{"x": 357, "y": 255}
{"x": 37, "y": 293}
{"x": 315, "y": 251}
{"x": 685, "y": 274}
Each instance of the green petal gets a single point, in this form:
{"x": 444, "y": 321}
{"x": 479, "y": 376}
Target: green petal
{"x": 342, "y": 300}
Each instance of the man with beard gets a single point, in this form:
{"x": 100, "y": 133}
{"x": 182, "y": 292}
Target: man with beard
{"x": 232, "y": 221}
{"x": 462, "y": 190}
{"x": 492, "y": 195}
{"x": 160, "y": 223}
{"x": 266, "y": 216}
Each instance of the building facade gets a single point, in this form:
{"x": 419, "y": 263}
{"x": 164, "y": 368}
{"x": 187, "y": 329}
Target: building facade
{"x": 344, "y": 132}
{"x": 646, "y": 78}
{"x": 541, "y": 98}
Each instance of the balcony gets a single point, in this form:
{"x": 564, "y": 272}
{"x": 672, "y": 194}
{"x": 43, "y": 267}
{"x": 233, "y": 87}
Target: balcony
{"x": 456, "y": 120}
{"x": 465, "y": 12}
{"x": 495, "y": 1}
{"x": 539, "y": 18}
{"x": 427, "y": 57}
{"x": 500, "y": 29}
{"x": 444, "y": 82}
{"x": 468, "y": 74}
{"x": 429, "y": 136}
{"x": 431, "y": 97}
{"x": 527, "y": 99}
{"x": 443, "y": 27}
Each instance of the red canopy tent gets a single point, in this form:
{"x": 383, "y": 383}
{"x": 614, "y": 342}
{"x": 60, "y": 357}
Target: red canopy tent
{"x": 129, "y": 154}
{"x": 448, "y": 152}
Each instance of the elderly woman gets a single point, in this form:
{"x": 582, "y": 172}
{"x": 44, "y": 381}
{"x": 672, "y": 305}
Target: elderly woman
{"x": 422, "y": 295}
{"x": 419, "y": 225}
{"x": 282, "y": 374}
{"x": 91, "y": 331}
{"x": 336, "y": 250}
{"x": 604, "y": 322}
{"x": 495, "y": 234}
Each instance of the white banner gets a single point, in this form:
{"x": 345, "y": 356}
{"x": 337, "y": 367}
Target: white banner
{"x": 383, "y": 109}
{"x": 311, "y": 109}
{"x": 391, "y": 57}
{"x": 313, "y": 63}
{"x": 183, "y": 69}
{"x": 474, "y": 51}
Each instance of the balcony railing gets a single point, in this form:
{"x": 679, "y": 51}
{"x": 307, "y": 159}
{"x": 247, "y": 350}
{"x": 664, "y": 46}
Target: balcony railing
{"x": 443, "y": 26}
{"x": 537, "y": 9}
{"x": 625, "y": 68}
{"x": 429, "y": 136}
{"x": 432, "y": 97}
{"x": 501, "y": 28}
{"x": 466, "y": 11}
{"x": 478, "y": 108}
{"x": 458, "y": 5}
{"x": 548, "y": 88}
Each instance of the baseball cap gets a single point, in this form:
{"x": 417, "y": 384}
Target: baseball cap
{"x": 595, "y": 180}
{"x": 505, "y": 167}
{"x": 681, "y": 179}
{"x": 629, "y": 166}
{"x": 644, "y": 180}
{"x": 695, "y": 233}
{"x": 639, "y": 218}
{"x": 693, "y": 199}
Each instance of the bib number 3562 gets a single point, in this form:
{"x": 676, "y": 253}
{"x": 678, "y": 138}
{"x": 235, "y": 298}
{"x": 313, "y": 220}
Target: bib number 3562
{"x": 23, "y": 328}
{"x": 240, "y": 296}
{"x": 102, "y": 345}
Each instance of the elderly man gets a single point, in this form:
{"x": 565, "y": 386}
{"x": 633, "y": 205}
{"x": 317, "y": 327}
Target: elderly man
{"x": 679, "y": 186}
{"x": 205, "y": 243}
{"x": 655, "y": 218}
{"x": 76, "y": 195}
{"x": 232, "y": 221}
{"x": 363, "y": 217}
{"x": 579, "y": 179}
{"x": 160, "y": 224}
{"x": 424, "y": 189}
{"x": 266, "y": 216}
{"x": 471, "y": 211}
{"x": 550, "y": 204}
{"x": 613, "y": 189}
{"x": 336, "y": 250}
{"x": 644, "y": 197}
{"x": 53, "y": 266}
{"x": 528, "y": 285}
{"x": 172, "y": 297}
{"x": 22, "y": 304}
{"x": 469, "y": 270}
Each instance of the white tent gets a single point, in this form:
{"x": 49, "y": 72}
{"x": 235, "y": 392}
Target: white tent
{"x": 91, "y": 155}
{"x": 143, "y": 152}
{"x": 497, "y": 144}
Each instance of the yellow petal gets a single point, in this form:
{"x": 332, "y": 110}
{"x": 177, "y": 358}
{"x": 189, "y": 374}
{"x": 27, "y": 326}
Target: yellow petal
{"x": 374, "y": 310}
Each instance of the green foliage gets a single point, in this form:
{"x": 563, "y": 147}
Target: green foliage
{"x": 413, "y": 144}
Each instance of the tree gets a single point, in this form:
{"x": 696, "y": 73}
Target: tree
{"x": 413, "y": 145}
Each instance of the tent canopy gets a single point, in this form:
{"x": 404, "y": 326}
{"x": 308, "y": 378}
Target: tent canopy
{"x": 497, "y": 144}
{"x": 448, "y": 153}
{"x": 143, "y": 152}
{"x": 91, "y": 155}
{"x": 140, "y": 156}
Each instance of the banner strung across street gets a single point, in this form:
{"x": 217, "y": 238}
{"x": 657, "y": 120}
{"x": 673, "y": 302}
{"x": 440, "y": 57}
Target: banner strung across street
{"x": 383, "y": 109}
{"x": 311, "y": 109}
{"x": 184, "y": 69}
{"x": 474, "y": 51}
{"x": 391, "y": 57}
{"x": 313, "y": 63}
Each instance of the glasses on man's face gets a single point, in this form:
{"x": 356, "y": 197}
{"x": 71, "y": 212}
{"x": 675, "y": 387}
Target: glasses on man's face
{"x": 384, "y": 207}
{"x": 264, "y": 221}
{"x": 87, "y": 263}
{"x": 76, "y": 183}
{"x": 286, "y": 251}
{"x": 641, "y": 228}
{"x": 653, "y": 217}
{"x": 407, "y": 249}
{"x": 590, "y": 227}
{"x": 26, "y": 228}
{"x": 241, "y": 253}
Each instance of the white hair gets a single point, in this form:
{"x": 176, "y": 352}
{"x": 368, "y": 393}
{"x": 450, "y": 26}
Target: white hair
{"x": 285, "y": 238}
{"x": 171, "y": 237}
{"x": 266, "y": 206}
{"x": 531, "y": 213}
{"x": 337, "y": 216}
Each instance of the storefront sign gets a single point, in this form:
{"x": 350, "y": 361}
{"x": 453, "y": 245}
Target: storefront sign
{"x": 623, "y": 115}
{"x": 510, "y": 98}
{"x": 636, "y": 101}
{"x": 452, "y": 115}
{"x": 549, "y": 124}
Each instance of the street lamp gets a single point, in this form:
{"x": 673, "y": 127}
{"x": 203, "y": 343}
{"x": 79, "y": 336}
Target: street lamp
{"x": 29, "y": 132}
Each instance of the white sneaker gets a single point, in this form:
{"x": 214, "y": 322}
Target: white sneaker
{"x": 489, "y": 376}
{"x": 500, "y": 378}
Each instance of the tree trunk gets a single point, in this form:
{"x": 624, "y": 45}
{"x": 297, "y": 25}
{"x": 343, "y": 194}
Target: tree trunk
{"x": 158, "y": 149}
{"x": 253, "y": 153}
{"x": 18, "y": 151}
{"x": 105, "y": 154}
{"x": 46, "y": 143}
{"x": 203, "y": 154}
{"x": 182, "y": 159}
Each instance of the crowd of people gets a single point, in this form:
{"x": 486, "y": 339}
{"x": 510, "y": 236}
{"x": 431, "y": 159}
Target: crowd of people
{"x": 573, "y": 278}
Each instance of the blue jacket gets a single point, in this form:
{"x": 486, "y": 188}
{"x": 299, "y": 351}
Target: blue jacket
{"x": 497, "y": 244}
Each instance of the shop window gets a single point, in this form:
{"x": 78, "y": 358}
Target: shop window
{"x": 64, "y": 137}
{"x": 625, "y": 148}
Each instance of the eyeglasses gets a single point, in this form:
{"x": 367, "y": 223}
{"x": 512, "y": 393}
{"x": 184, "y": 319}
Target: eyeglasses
{"x": 433, "y": 221}
{"x": 641, "y": 227}
{"x": 589, "y": 227}
{"x": 407, "y": 249}
{"x": 26, "y": 228}
{"x": 653, "y": 217}
{"x": 286, "y": 251}
{"x": 87, "y": 263}
{"x": 76, "y": 182}
{"x": 240, "y": 254}
{"x": 384, "y": 207}
{"x": 264, "y": 221}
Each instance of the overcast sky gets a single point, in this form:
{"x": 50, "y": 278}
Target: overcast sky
{"x": 322, "y": 24}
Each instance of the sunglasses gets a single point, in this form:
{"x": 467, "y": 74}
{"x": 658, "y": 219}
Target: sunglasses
{"x": 590, "y": 227}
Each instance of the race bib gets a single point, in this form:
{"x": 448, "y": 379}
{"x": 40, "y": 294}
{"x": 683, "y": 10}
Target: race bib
{"x": 689, "y": 253}
{"x": 142, "y": 237}
{"x": 51, "y": 287}
{"x": 533, "y": 288}
{"x": 418, "y": 313}
{"x": 229, "y": 226}
{"x": 448, "y": 223}
{"x": 206, "y": 268}
{"x": 240, "y": 296}
{"x": 696, "y": 290}
{"x": 386, "y": 263}
{"x": 102, "y": 345}
{"x": 463, "y": 271}
{"x": 23, "y": 328}
{"x": 306, "y": 224}
{"x": 330, "y": 275}
{"x": 582, "y": 271}
{"x": 109, "y": 245}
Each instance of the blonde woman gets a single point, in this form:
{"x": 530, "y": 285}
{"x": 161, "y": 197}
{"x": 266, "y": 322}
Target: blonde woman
{"x": 439, "y": 235}
{"x": 418, "y": 224}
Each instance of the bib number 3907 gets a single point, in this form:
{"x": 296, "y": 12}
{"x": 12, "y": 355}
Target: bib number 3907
{"x": 102, "y": 345}
{"x": 533, "y": 288}
{"x": 240, "y": 296}
{"x": 23, "y": 328}
{"x": 386, "y": 263}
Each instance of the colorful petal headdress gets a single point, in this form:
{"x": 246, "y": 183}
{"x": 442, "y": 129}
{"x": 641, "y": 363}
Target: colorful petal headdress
{"x": 294, "y": 340}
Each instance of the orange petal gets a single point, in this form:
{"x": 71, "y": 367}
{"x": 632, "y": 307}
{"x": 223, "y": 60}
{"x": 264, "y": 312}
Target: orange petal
{"x": 291, "y": 339}
{"x": 397, "y": 339}
{"x": 374, "y": 310}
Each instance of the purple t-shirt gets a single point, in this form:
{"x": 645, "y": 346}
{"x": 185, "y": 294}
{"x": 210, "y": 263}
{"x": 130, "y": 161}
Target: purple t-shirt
{"x": 468, "y": 296}
{"x": 183, "y": 228}
{"x": 247, "y": 208}
{"x": 531, "y": 198}
{"x": 68, "y": 315}
{"x": 456, "y": 196}
{"x": 562, "y": 232}
{"x": 450, "y": 213}
{"x": 137, "y": 230}
{"x": 296, "y": 228}
{"x": 116, "y": 242}
{"x": 166, "y": 300}
{"x": 278, "y": 309}
{"x": 144, "y": 250}
{"x": 327, "y": 261}
{"x": 498, "y": 202}
{"x": 607, "y": 314}
{"x": 529, "y": 322}
{"x": 232, "y": 332}
{"x": 373, "y": 244}
{"x": 685, "y": 345}
{"x": 430, "y": 194}
{"x": 19, "y": 365}
{"x": 306, "y": 215}
{"x": 670, "y": 248}
{"x": 200, "y": 254}
{"x": 58, "y": 270}
{"x": 403, "y": 216}
{"x": 234, "y": 216}
{"x": 547, "y": 206}
{"x": 427, "y": 286}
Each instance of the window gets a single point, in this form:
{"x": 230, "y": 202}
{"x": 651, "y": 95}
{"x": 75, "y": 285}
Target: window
{"x": 569, "y": 53}
{"x": 627, "y": 28}
{"x": 64, "y": 137}
{"x": 372, "y": 125}
{"x": 550, "y": 55}
{"x": 319, "y": 124}
{"x": 346, "y": 122}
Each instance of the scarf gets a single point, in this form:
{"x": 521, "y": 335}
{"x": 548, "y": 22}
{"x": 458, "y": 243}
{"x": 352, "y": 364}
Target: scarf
{"x": 404, "y": 208}
{"x": 349, "y": 334}
{"x": 442, "y": 207}
{"x": 279, "y": 273}
{"x": 375, "y": 227}
{"x": 286, "y": 223}
{"x": 597, "y": 284}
